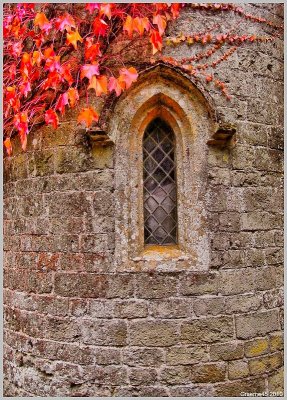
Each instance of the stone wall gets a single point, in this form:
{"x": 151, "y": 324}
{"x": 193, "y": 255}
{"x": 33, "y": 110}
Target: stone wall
{"x": 76, "y": 326}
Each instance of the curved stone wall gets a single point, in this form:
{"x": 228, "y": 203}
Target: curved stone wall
{"x": 75, "y": 325}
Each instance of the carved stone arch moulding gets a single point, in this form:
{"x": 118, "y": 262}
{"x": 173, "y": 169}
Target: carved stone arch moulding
{"x": 175, "y": 99}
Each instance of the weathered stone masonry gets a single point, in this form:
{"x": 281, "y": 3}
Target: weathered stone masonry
{"x": 79, "y": 324}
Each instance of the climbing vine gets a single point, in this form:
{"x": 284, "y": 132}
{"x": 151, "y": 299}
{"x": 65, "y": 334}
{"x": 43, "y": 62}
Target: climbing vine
{"x": 55, "y": 54}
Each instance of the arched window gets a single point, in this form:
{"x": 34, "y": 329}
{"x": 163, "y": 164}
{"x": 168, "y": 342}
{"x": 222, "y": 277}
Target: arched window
{"x": 160, "y": 128}
{"x": 159, "y": 184}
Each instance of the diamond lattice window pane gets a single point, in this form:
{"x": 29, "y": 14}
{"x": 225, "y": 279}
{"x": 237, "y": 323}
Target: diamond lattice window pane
{"x": 160, "y": 211}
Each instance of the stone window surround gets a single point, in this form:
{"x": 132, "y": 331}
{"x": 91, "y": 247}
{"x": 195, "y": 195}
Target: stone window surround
{"x": 174, "y": 98}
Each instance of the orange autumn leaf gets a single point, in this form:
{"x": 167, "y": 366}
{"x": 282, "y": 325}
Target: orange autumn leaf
{"x": 51, "y": 117}
{"x": 49, "y": 52}
{"x": 73, "y": 38}
{"x": 128, "y": 25}
{"x": 99, "y": 84}
{"x": 8, "y": 146}
{"x": 87, "y": 116}
{"x": 42, "y": 21}
{"x": 37, "y": 58}
{"x": 141, "y": 24}
{"x": 73, "y": 96}
{"x": 128, "y": 76}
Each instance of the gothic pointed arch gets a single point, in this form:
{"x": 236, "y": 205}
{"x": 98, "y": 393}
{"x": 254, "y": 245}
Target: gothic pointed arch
{"x": 178, "y": 103}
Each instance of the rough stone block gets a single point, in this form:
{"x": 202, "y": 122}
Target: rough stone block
{"x": 104, "y": 333}
{"x": 101, "y": 308}
{"x": 257, "y": 324}
{"x": 153, "y": 333}
{"x": 145, "y": 357}
{"x": 111, "y": 375}
{"x": 42, "y": 164}
{"x": 208, "y": 373}
{"x": 213, "y": 306}
{"x": 103, "y": 202}
{"x": 99, "y": 244}
{"x": 226, "y": 351}
{"x": 130, "y": 309}
{"x": 120, "y": 285}
{"x": 155, "y": 286}
{"x": 79, "y": 307}
{"x": 233, "y": 259}
{"x": 207, "y": 330}
{"x": 199, "y": 283}
{"x": 175, "y": 375}
{"x": 170, "y": 308}
{"x": 243, "y": 303}
{"x": 74, "y": 204}
{"x": 80, "y": 285}
{"x": 240, "y": 386}
{"x": 268, "y": 160}
{"x": 229, "y": 221}
{"x": 53, "y": 305}
{"x": 264, "y": 364}
{"x": 260, "y": 220}
{"x": 256, "y": 347}
{"x": 182, "y": 355}
{"x": 276, "y": 341}
{"x": 142, "y": 391}
{"x": 142, "y": 376}
{"x": 237, "y": 281}
{"x": 70, "y": 261}
{"x": 238, "y": 369}
{"x": 106, "y": 355}
{"x": 276, "y": 382}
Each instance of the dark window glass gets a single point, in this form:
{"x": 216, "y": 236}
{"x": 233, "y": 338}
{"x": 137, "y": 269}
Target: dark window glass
{"x": 160, "y": 211}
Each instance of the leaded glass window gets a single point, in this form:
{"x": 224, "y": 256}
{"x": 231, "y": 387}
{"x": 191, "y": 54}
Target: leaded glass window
{"x": 159, "y": 176}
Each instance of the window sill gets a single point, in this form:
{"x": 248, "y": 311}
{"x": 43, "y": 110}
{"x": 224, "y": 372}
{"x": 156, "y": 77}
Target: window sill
{"x": 161, "y": 253}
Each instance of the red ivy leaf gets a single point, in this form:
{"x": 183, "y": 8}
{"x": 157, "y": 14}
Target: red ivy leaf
{"x": 21, "y": 124}
{"x": 62, "y": 102}
{"x": 51, "y": 118}
{"x": 156, "y": 41}
{"x": 92, "y": 51}
{"x": 91, "y": 7}
{"x": 100, "y": 27}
